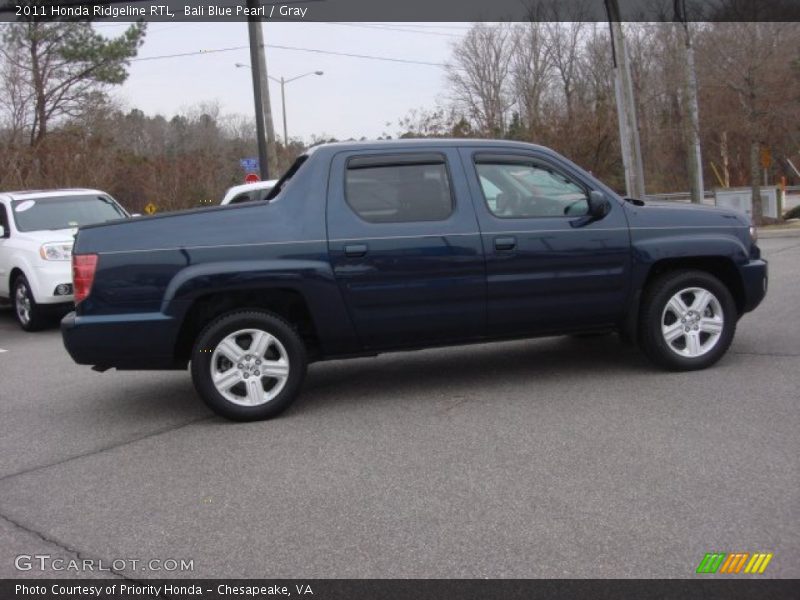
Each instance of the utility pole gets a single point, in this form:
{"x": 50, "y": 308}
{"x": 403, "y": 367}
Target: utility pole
{"x": 691, "y": 118}
{"x": 264, "y": 128}
{"x": 626, "y": 107}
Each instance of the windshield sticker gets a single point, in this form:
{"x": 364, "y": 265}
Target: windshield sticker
{"x": 23, "y": 206}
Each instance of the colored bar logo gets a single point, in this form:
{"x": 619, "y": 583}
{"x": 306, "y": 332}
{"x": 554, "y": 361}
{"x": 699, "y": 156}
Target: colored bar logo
{"x": 734, "y": 563}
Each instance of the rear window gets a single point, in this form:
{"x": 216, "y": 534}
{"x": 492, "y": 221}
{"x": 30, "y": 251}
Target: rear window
{"x": 39, "y": 214}
{"x": 399, "y": 189}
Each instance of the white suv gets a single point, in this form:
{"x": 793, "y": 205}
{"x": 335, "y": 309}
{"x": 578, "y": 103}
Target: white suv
{"x": 37, "y": 231}
{"x": 248, "y": 192}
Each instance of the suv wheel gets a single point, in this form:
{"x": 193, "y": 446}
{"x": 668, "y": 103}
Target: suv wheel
{"x": 688, "y": 320}
{"x": 28, "y": 313}
{"x": 248, "y": 365}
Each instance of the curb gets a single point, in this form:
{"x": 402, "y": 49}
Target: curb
{"x": 765, "y": 234}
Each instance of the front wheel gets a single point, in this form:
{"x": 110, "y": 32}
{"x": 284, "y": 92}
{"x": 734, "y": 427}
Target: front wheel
{"x": 688, "y": 320}
{"x": 26, "y": 310}
{"x": 248, "y": 365}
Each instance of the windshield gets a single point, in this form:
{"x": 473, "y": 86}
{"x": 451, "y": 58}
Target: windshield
{"x": 38, "y": 214}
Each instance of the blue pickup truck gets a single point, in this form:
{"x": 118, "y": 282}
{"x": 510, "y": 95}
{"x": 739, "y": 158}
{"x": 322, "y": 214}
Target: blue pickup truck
{"x": 363, "y": 248}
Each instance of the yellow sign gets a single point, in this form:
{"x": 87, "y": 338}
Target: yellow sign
{"x": 150, "y": 209}
{"x": 766, "y": 157}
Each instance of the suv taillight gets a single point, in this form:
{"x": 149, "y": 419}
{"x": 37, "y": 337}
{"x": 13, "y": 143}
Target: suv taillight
{"x": 83, "y": 268}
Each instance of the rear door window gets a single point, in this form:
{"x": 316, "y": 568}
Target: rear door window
{"x": 399, "y": 189}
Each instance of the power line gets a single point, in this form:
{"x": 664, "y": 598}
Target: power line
{"x": 392, "y": 28}
{"x": 193, "y": 53}
{"x": 294, "y": 48}
{"x": 365, "y": 56}
{"x": 421, "y": 25}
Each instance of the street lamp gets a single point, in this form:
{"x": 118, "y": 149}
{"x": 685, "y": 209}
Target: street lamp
{"x": 282, "y": 81}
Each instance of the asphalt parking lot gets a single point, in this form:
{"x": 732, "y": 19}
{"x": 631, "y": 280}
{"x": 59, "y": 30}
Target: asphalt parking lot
{"x": 545, "y": 458}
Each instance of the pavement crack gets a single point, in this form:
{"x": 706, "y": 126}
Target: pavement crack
{"x": 82, "y": 556}
{"x": 105, "y": 448}
{"x": 784, "y": 249}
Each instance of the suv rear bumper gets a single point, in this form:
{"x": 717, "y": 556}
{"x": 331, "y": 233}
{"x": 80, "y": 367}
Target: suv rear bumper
{"x": 108, "y": 342}
{"x": 755, "y": 278}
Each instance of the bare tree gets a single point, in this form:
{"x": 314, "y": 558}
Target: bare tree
{"x": 16, "y": 102}
{"x": 750, "y": 61}
{"x": 564, "y": 48}
{"x": 480, "y": 76}
{"x": 531, "y": 71}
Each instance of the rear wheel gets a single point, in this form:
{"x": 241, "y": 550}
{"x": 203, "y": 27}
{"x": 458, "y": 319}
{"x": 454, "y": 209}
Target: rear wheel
{"x": 28, "y": 313}
{"x": 248, "y": 365}
{"x": 688, "y": 320}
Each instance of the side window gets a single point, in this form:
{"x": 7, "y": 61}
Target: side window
{"x": 529, "y": 190}
{"x": 243, "y": 197}
{"x": 399, "y": 189}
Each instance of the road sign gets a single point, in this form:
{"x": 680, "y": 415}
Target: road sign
{"x": 250, "y": 165}
{"x": 766, "y": 157}
{"x": 151, "y": 208}
{"x": 251, "y": 178}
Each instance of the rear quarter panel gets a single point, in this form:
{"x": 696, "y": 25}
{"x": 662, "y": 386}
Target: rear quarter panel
{"x": 151, "y": 270}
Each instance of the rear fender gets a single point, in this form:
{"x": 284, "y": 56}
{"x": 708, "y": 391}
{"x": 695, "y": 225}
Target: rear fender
{"x": 313, "y": 280}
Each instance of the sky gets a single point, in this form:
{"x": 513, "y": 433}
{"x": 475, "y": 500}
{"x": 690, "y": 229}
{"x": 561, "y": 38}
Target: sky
{"x": 355, "y": 97}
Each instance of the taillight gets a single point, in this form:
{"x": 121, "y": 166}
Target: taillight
{"x": 83, "y": 268}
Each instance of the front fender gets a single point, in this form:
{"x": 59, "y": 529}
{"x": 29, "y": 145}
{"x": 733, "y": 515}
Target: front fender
{"x": 653, "y": 248}
{"x": 20, "y": 261}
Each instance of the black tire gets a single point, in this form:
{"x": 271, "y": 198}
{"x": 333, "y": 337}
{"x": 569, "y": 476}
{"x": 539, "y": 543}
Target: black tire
{"x": 32, "y": 319}
{"x": 203, "y": 355}
{"x": 652, "y": 316}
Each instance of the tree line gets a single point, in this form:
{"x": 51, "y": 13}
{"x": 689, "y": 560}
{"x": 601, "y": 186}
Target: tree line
{"x": 542, "y": 81}
{"x": 552, "y": 83}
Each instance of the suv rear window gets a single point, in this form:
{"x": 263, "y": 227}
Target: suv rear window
{"x": 399, "y": 189}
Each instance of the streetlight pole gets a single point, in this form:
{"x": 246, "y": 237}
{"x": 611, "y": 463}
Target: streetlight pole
{"x": 283, "y": 81}
{"x": 283, "y": 112}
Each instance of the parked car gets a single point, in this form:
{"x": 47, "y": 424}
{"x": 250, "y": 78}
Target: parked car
{"x": 248, "y": 192}
{"x": 36, "y": 236}
{"x": 385, "y": 246}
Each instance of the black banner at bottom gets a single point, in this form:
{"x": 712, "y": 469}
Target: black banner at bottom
{"x": 399, "y": 589}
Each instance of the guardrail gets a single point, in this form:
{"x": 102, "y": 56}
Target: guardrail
{"x": 708, "y": 195}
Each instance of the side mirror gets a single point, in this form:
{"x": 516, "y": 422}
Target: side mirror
{"x": 599, "y": 206}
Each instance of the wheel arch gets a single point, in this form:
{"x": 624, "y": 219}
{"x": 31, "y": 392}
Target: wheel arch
{"x": 12, "y": 277}
{"x": 721, "y": 267}
{"x": 285, "y": 302}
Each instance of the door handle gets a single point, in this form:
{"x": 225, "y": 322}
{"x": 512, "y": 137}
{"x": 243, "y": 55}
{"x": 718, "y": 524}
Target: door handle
{"x": 355, "y": 250}
{"x": 505, "y": 243}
